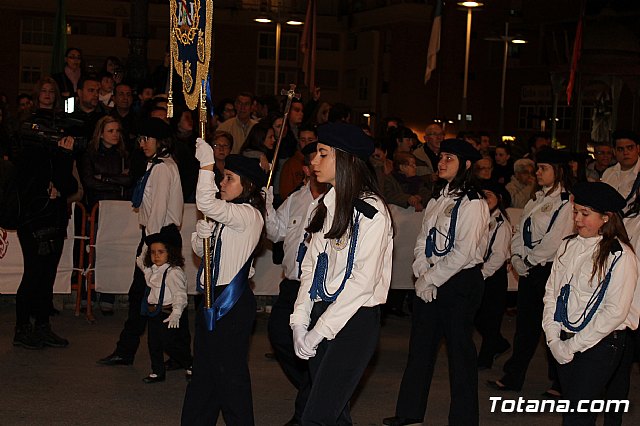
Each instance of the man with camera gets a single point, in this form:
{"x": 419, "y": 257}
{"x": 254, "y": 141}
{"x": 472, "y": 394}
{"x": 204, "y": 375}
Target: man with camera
{"x": 43, "y": 180}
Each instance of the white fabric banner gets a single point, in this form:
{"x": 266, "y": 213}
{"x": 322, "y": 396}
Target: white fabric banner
{"x": 11, "y": 265}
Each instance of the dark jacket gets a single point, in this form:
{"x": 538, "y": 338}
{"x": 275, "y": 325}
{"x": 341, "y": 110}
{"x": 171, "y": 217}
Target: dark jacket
{"x": 102, "y": 173}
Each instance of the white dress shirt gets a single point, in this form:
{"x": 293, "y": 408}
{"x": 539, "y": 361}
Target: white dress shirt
{"x": 175, "y": 289}
{"x": 621, "y": 180}
{"x": 243, "y": 226}
{"x": 370, "y": 278}
{"x": 162, "y": 202}
{"x": 541, "y": 210}
{"x": 288, "y": 224}
{"x": 573, "y": 264}
{"x": 471, "y": 237}
{"x": 501, "y": 247}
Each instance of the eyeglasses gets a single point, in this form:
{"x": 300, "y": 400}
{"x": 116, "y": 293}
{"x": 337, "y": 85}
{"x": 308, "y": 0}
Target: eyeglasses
{"x": 627, "y": 148}
{"x": 143, "y": 139}
{"x": 603, "y": 152}
{"x": 221, "y": 146}
{"x": 79, "y": 58}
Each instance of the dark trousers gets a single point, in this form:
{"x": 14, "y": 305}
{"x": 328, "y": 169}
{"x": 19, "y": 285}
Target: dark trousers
{"x": 281, "y": 338}
{"x": 339, "y": 365}
{"x": 528, "y": 328}
{"x": 618, "y": 386}
{"x": 35, "y": 293}
{"x": 221, "y": 380}
{"x": 489, "y": 317}
{"x": 451, "y": 316}
{"x": 176, "y": 342}
{"x": 587, "y": 375}
{"x": 136, "y": 323}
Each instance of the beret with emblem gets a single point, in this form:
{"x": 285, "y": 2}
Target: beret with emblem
{"x": 461, "y": 148}
{"x": 552, "y": 156}
{"x": 599, "y": 196}
{"x": 347, "y": 138}
{"x": 247, "y": 167}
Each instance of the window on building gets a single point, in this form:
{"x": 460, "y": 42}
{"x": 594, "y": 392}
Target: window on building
{"x": 30, "y": 74}
{"x": 37, "y": 30}
{"x": 264, "y": 79}
{"x": 531, "y": 117}
{"x": 91, "y": 27}
{"x": 363, "y": 88}
{"x": 288, "y": 46}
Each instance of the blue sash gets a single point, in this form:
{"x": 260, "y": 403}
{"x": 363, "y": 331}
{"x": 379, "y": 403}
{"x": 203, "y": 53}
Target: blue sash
{"x": 561, "y": 314}
{"x": 319, "y": 283}
{"x": 526, "y": 231}
{"x": 302, "y": 250}
{"x": 138, "y": 191}
{"x": 634, "y": 188}
{"x": 430, "y": 246}
{"x": 499, "y": 222}
{"x": 144, "y": 308}
{"x": 229, "y": 296}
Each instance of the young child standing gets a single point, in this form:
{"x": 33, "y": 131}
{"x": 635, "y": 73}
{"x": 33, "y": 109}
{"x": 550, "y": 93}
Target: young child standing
{"x": 164, "y": 302}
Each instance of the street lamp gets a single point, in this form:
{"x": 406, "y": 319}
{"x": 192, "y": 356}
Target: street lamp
{"x": 469, "y": 5}
{"x": 506, "y": 39}
{"x": 267, "y": 20}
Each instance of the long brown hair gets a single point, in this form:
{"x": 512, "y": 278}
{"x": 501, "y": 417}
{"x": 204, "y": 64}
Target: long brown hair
{"x": 612, "y": 231}
{"x": 355, "y": 179}
{"x": 97, "y": 135}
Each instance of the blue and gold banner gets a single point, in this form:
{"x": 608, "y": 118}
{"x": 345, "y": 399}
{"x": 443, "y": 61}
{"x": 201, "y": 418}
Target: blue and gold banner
{"x": 190, "y": 41}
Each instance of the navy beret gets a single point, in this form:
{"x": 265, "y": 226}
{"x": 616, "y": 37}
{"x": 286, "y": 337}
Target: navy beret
{"x": 461, "y": 148}
{"x": 347, "y": 138}
{"x": 599, "y": 196}
{"x": 310, "y": 148}
{"x": 496, "y": 188}
{"x": 154, "y": 128}
{"x": 169, "y": 238}
{"x": 247, "y": 167}
{"x": 625, "y": 134}
{"x": 552, "y": 156}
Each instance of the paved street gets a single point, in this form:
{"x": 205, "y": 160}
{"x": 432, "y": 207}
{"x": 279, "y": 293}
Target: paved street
{"x": 67, "y": 387}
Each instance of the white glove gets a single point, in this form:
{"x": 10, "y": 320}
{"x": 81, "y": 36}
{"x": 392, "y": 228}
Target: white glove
{"x": 560, "y": 351}
{"x": 518, "y": 264}
{"x": 204, "y": 153}
{"x": 173, "y": 319}
{"x": 299, "y": 344}
{"x": 313, "y": 339}
{"x": 425, "y": 290}
{"x": 204, "y": 229}
{"x": 267, "y": 193}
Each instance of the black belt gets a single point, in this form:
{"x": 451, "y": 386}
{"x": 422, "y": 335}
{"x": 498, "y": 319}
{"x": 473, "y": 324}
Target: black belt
{"x": 615, "y": 334}
{"x": 166, "y": 308}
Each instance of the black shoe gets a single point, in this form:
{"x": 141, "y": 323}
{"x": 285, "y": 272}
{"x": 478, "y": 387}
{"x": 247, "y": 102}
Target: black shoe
{"x": 115, "y": 359}
{"x": 50, "y": 338}
{"x": 27, "y": 338}
{"x": 106, "y": 312}
{"x": 400, "y": 421}
{"x": 153, "y": 378}
{"x": 493, "y": 384}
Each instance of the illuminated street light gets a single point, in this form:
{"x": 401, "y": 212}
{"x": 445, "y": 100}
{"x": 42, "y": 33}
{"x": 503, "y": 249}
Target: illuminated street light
{"x": 469, "y": 5}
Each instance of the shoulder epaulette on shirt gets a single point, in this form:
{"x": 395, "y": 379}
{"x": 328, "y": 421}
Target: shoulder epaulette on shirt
{"x": 564, "y": 196}
{"x": 616, "y": 247}
{"x": 473, "y": 195}
{"x": 365, "y": 208}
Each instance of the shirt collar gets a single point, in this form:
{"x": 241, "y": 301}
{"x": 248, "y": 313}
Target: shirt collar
{"x": 160, "y": 268}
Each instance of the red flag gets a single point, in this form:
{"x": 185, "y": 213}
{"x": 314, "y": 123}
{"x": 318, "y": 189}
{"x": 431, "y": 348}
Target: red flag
{"x": 308, "y": 46}
{"x": 434, "y": 42}
{"x": 577, "y": 47}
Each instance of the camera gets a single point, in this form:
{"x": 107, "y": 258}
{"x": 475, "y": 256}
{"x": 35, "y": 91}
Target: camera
{"x": 49, "y": 132}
